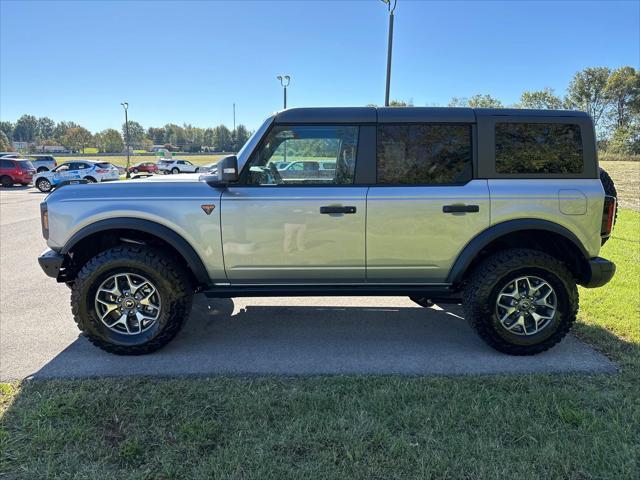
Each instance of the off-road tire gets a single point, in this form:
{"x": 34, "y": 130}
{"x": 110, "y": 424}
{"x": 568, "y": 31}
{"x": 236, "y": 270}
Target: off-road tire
{"x": 489, "y": 277}
{"x": 170, "y": 279}
{"x": 6, "y": 181}
{"x": 609, "y": 189}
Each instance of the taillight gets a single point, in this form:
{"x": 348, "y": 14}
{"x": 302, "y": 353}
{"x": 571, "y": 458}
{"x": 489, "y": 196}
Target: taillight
{"x": 44, "y": 220}
{"x": 102, "y": 171}
{"x": 608, "y": 216}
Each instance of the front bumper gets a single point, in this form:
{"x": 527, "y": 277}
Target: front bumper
{"x": 51, "y": 262}
{"x": 601, "y": 271}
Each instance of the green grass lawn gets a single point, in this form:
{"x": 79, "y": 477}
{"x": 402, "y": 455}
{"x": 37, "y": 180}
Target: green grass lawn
{"x": 363, "y": 427}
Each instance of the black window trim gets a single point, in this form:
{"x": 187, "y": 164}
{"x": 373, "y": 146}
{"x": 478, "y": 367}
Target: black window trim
{"x": 474, "y": 156}
{"x": 487, "y": 145}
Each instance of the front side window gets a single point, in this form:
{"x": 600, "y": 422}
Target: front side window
{"x": 293, "y": 155}
{"x": 424, "y": 154}
{"x": 525, "y": 148}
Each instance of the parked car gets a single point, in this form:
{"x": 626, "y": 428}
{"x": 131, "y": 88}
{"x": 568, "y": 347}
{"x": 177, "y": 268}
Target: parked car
{"x": 177, "y": 166}
{"x": 301, "y": 165}
{"x": 502, "y": 210}
{"x": 88, "y": 170}
{"x": 143, "y": 167}
{"x": 43, "y": 163}
{"x": 15, "y": 170}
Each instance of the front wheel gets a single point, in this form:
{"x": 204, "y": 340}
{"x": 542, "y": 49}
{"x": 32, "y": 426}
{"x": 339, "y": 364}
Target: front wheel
{"x": 521, "y": 301}
{"x": 131, "y": 300}
{"x": 44, "y": 185}
{"x": 42, "y": 169}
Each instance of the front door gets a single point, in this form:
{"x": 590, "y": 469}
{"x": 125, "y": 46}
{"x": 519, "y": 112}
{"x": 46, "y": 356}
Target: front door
{"x": 297, "y": 225}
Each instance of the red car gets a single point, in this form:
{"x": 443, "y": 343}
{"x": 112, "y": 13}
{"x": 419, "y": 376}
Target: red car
{"x": 16, "y": 170}
{"x": 146, "y": 167}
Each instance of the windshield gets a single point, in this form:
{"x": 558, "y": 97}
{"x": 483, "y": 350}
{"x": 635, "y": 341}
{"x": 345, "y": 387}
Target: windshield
{"x": 26, "y": 164}
{"x": 250, "y": 144}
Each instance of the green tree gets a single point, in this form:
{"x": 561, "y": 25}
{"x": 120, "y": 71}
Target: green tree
{"x": 7, "y": 129}
{"x": 45, "y": 128}
{"x": 61, "y": 130}
{"x": 137, "y": 134}
{"x": 156, "y": 135}
{"x": 77, "y": 138}
{"x": 240, "y": 137}
{"x": 222, "y": 139}
{"x": 5, "y": 145}
{"x": 477, "y": 101}
{"x": 623, "y": 92}
{"x": 545, "y": 98}
{"x": 110, "y": 141}
{"x": 25, "y": 129}
{"x": 586, "y": 92}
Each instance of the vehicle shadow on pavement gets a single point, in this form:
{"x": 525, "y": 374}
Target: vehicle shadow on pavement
{"x": 268, "y": 337}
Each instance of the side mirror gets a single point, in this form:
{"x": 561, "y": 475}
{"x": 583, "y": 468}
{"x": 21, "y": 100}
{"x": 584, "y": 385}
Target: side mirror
{"x": 227, "y": 172}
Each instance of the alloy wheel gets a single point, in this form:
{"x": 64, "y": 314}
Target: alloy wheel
{"x": 128, "y": 303}
{"x": 526, "y": 305}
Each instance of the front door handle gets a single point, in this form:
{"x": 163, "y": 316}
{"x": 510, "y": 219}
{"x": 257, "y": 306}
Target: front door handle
{"x": 329, "y": 209}
{"x": 461, "y": 208}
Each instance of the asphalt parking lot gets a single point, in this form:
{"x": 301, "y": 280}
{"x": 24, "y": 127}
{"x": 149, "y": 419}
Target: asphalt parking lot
{"x": 255, "y": 336}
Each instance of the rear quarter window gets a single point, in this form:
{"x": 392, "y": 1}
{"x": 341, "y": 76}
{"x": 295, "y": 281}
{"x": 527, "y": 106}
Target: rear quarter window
{"x": 538, "y": 148}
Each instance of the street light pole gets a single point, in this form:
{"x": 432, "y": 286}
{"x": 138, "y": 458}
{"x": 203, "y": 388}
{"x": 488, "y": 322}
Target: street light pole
{"x": 125, "y": 106}
{"x": 284, "y": 81}
{"x": 389, "y": 47}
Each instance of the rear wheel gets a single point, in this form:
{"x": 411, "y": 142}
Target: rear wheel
{"x": 90, "y": 180}
{"x": 135, "y": 170}
{"x": 131, "y": 300}
{"x": 43, "y": 185}
{"x": 196, "y": 170}
{"x": 175, "y": 171}
{"x": 521, "y": 301}
{"x": 6, "y": 181}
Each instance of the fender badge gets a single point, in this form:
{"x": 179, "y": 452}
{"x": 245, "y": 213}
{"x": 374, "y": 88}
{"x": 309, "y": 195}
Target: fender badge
{"x": 208, "y": 208}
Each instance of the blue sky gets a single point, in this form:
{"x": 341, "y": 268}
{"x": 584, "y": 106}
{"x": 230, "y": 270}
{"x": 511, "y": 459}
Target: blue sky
{"x": 189, "y": 61}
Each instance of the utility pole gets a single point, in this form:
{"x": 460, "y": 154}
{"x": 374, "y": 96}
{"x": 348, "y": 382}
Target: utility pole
{"x": 284, "y": 81}
{"x": 389, "y": 47}
{"x": 125, "y": 105}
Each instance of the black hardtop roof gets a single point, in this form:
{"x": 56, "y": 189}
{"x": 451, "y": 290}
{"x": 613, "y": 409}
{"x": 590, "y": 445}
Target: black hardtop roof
{"x": 408, "y": 114}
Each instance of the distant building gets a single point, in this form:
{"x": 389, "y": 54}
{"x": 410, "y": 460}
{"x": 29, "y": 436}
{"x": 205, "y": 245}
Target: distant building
{"x": 51, "y": 149}
{"x": 21, "y": 145}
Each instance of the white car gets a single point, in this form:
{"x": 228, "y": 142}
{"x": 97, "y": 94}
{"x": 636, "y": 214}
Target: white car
{"x": 177, "y": 166}
{"x": 92, "y": 172}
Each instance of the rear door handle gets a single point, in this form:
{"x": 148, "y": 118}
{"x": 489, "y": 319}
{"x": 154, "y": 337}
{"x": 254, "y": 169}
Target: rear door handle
{"x": 461, "y": 208}
{"x": 337, "y": 209}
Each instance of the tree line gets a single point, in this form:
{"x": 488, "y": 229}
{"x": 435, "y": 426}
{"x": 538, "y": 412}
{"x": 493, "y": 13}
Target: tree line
{"x": 610, "y": 96}
{"x": 187, "y": 138}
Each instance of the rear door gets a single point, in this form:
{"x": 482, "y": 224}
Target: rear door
{"x": 303, "y": 226}
{"x": 425, "y": 206}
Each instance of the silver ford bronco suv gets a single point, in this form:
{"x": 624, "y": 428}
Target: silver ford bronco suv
{"x": 503, "y": 211}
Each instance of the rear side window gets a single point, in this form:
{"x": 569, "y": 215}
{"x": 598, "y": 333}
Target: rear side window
{"x": 427, "y": 154}
{"x": 103, "y": 165}
{"x": 524, "y": 148}
{"x": 6, "y": 164}
{"x": 25, "y": 164}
